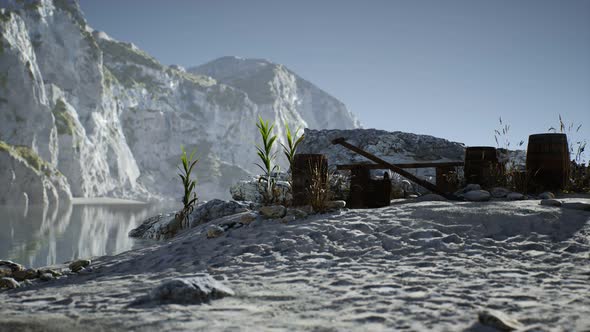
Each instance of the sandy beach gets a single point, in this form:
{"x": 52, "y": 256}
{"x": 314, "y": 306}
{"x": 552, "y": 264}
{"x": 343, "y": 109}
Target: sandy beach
{"x": 410, "y": 266}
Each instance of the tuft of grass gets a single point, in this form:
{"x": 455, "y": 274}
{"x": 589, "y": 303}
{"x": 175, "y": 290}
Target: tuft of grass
{"x": 508, "y": 173}
{"x": 267, "y": 157}
{"x": 189, "y": 199}
{"x": 319, "y": 189}
{"x": 577, "y": 148}
{"x": 579, "y": 176}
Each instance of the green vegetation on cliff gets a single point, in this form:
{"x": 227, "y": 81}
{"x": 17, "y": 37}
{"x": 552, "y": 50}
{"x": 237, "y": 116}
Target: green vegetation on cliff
{"x": 124, "y": 53}
{"x": 65, "y": 123}
{"x": 28, "y": 155}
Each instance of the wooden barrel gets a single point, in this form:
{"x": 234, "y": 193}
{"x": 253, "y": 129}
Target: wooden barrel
{"x": 301, "y": 174}
{"x": 446, "y": 179}
{"x": 548, "y": 161}
{"x": 481, "y": 165}
{"x": 359, "y": 181}
{"x": 378, "y": 193}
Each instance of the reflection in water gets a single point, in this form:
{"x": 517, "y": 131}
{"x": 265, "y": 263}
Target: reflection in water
{"x": 40, "y": 237}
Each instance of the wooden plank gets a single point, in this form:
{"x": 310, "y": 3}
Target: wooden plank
{"x": 405, "y": 165}
{"x": 392, "y": 167}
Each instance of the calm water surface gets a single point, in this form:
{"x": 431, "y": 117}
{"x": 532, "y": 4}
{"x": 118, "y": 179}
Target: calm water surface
{"x": 39, "y": 237}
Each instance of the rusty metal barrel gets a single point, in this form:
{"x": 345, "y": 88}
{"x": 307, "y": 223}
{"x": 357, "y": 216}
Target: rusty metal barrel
{"x": 481, "y": 165}
{"x": 548, "y": 161}
{"x": 302, "y": 175}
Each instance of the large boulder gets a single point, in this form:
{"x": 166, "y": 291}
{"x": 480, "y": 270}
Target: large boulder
{"x": 253, "y": 190}
{"x": 165, "y": 226}
{"x": 195, "y": 290}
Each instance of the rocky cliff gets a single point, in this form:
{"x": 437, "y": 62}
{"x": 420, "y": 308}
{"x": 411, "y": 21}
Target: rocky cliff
{"x": 107, "y": 119}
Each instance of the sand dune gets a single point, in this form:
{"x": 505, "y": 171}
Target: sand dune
{"x": 411, "y": 266}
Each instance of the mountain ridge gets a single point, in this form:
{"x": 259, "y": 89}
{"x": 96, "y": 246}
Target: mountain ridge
{"x": 110, "y": 118}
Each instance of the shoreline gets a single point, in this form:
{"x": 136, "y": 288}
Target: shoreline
{"x": 105, "y": 201}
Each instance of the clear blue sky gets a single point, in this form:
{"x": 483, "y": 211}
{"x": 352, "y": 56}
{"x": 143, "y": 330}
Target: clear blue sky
{"x": 445, "y": 68}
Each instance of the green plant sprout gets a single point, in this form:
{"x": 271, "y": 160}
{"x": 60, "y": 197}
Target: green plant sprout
{"x": 189, "y": 198}
{"x": 292, "y": 142}
{"x": 267, "y": 157}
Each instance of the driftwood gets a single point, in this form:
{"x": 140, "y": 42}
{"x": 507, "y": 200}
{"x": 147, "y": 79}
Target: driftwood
{"x": 393, "y": 167}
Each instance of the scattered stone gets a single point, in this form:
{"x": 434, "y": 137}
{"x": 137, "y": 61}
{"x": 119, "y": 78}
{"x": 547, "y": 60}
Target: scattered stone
{"x": 431, "y": 198}
{"x": 298, "y": 213}
{"x": 5, "y": 271}
{"x": 288, "y": 218}
{"x": 471, "y": 187}
{"x": 8, "y": 283}
{"x": 79, "y": 264}
{"x": 11, "y": 265}
{"x": 273, "y": 211}
{"x": 452, "y": 238}
{"x": 335, "y": 205}
{"x": 547, "y": 195}
{"x": 306, "y": 208}
{"x": 550, "y": 202}
{"x": 514, "y": 196}
{"x": 50, "y": 271}
{"x": 46, "y": 276}
{"x": 26, "y": 283}
{"x": 576, "y": 206}
{"x": 25, "y": 274}
{"x": 498, "y": 321}
{"x": 195, "y": 290}
{"x": 477, "y": 196}
{"x": 214, "y": 231}
{"x": 248, "y": 217}
{"x": 499, "y": 192}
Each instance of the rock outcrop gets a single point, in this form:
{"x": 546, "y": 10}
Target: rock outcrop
{"x": 165, "y": 226}
{"x": 111, "y": 118}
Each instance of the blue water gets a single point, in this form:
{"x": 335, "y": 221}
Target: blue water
{"x": 36, "y": 237}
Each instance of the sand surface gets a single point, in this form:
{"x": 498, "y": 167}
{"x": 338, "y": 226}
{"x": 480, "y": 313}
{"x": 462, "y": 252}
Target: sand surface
{"x": 428, "y": 266}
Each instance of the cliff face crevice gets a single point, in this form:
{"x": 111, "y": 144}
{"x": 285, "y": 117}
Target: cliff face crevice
{"x": 111, "y": 119}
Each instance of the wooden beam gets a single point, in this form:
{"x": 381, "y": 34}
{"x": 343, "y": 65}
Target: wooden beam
{"x": 392, "y": 167}
{"x": 406, "y": 165}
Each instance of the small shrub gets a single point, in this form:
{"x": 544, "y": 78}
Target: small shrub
{"x": 189, "y": 199}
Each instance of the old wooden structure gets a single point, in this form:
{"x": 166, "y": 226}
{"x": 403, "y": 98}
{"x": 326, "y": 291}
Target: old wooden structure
{"x": 362, "y": 188}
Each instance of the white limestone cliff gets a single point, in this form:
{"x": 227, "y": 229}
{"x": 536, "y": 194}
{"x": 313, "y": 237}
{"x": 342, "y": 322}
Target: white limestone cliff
{"x": 111, "y": 118}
